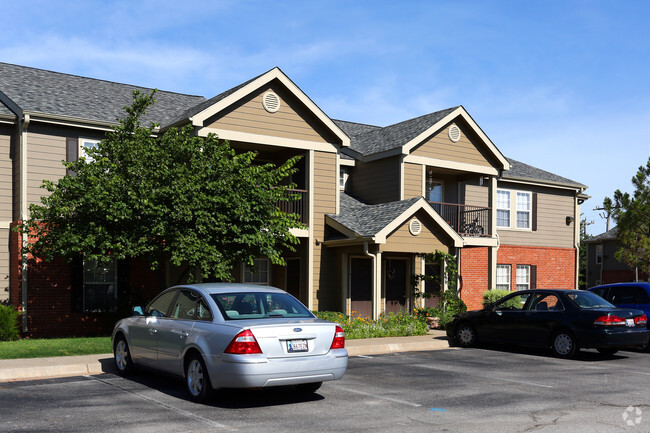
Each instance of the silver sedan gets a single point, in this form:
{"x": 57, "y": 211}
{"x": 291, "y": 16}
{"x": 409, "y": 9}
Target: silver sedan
{"x": 218, "y": 335}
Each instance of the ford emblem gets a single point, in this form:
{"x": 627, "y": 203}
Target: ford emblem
{"x": 297, "y": 329}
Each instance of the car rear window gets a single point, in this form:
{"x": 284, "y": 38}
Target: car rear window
{"x": 259, "y": 305}
{"x": 588, "y": 300}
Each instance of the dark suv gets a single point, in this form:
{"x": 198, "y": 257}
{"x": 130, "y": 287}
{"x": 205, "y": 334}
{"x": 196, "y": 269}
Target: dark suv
{"x": 627, "y": 295}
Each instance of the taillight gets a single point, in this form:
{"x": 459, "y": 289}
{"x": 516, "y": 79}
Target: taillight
{"x": 608, "y": 320}
{"x": 244, "y": 343}
{"x": 641, "y": 320}
{"x": 339, "y": 339}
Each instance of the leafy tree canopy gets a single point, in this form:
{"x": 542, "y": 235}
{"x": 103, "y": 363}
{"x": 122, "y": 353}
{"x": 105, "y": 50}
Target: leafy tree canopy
{"x": 178, "y": 197}
{"x": 632, "y": 216}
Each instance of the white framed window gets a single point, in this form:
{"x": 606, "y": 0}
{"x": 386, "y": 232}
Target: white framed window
{"x": 503, "y": 208}
{"x": 523, "y": 210}
{"x": 599, "y": 253}
{"x": 523, "y": 277}
{"x": 343, "y": 177}
{"x": 99, "y": 286}
{"x": 87, "y": 143}
{"x": 259, "y": 274}
{"x": 503, "y": 277}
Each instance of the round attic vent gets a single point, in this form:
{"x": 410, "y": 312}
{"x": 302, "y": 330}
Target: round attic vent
{"x": 454, "y": 133}
{"x": 271, "y": 102}
{"x": 415, "y": 227}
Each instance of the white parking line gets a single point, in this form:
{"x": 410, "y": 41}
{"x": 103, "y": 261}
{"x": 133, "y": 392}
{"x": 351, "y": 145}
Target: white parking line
{"x": 166, "y": 406}
{"x": 522, "y": 382}
{"x": 380, "y": 397}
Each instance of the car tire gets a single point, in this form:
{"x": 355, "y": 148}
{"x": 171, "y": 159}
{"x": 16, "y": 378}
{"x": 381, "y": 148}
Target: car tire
{"x": 564, "y": 345}
{"x": 309, "y": 387}
{"x": 197, "y": 379}
{"x": 465, "y": 335}
{"x": 607, "y": 351}
{"x": 122, "y": 357}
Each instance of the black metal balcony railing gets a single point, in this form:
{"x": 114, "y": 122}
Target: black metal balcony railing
{"x": 299, "y": 206}
{"x": 465, "y": 220}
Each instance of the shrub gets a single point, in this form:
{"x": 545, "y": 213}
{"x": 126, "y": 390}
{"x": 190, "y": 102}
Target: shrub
{"x": 8, "y": 323}
{"x": 389, "y": 325}
{"x": 492, "y": 296}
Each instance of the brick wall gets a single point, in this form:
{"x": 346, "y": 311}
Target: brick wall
{"x": 555, "y": 269}
{"x": 622, "y": 276}
{"x": 474, "y": 275}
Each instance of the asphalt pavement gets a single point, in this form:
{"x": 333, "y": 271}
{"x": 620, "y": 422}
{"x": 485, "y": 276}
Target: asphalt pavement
{"x": 65, "y": 366}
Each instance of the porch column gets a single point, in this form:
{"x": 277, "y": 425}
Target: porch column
{"x": 376, "y": 286}
{"x": 492, "y": 251}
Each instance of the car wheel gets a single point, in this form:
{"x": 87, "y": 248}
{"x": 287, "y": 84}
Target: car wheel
{"x": 607, "y": 351}
{"x": 644, "y": 348}
{"x": 465, "y": 335}
{"x": 197, "y": 379}
{"x": 122, "y": 357}
{"x": 309, "y": 387}
{"x": 564, "y": 345}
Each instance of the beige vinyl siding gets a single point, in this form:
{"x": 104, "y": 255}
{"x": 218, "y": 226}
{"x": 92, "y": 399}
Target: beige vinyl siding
{"x": 466, "y": 150}
{"x": 430, "y": 239}
{"x": 553, "y": 206}
{"x": 377, "y": 181}
{"x": 43, "y": 163}
{"x": 292, "y": 120}
{"x": 324, "y": 193}
{"x": 412, "y": 180}
{"x": 6, "y": 178}
{"x": 476, "y": 195}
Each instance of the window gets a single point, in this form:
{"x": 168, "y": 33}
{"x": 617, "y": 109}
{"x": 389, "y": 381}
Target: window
{"x": 343, "y": 177}
{"x": 523, "y": 210}
{"x": 99, "y": 286}
{"x": 599, "y": 253}
{"x": 523, "y": 277}
{"x": 259, "y": 274}
{"x": 159, "y": 306}
{"x": 503, "y": 277}
{"x": 503, "y": 208}
{"x": 87, "y": 143}
{"x": 184, "y": 306}
{"x": 434, "y": 192}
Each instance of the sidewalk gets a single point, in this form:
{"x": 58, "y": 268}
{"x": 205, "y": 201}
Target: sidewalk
{"x": 64, "y": 366}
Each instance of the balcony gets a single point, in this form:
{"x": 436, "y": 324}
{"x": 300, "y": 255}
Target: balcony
{"x": 298, "y": 207}
{"x": 467, "y": 221}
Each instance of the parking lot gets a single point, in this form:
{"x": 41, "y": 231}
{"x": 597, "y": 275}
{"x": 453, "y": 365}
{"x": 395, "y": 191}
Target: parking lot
{"x": 457, "y": 390}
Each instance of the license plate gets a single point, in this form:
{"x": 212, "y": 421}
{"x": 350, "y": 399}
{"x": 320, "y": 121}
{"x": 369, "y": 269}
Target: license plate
{"x": 629, "y": 323}
{"x": 297, "y": 346}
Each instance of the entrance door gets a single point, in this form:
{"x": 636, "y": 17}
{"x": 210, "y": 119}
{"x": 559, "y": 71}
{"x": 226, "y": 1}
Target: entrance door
{"x": 432, "y": 287}
{"x": 294, "y": 278}
{"x": 395, "y": 285}
{"x": 361, "y": 286}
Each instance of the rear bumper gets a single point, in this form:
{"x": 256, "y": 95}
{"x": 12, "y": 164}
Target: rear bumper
{"x": 610, "y": 338}
{"x": 257, "y": 371}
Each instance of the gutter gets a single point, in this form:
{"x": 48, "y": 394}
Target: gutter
{"x": 376, "y": 279}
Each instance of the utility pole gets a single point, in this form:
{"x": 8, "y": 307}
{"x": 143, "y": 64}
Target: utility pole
{"x": 606, "y": 215}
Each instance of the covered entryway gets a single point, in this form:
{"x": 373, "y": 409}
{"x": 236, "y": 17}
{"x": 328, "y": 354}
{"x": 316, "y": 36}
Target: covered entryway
{"x": 396, "y": 285}
{"x": 361, "y": 286}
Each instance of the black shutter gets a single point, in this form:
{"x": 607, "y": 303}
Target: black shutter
{"x": 77, "y": 284}
{"x": 534, "y": 212}
{"x": 124, "y": 300}
{"x": 71, "y": 152}
{"x": 533, "y": 276}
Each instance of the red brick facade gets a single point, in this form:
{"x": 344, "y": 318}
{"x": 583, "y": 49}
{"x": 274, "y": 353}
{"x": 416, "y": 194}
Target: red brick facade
{"x": 555, "y": 268}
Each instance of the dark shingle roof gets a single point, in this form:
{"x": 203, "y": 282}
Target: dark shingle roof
{"x": 520, "y": 171}
{"x": 40, "y": 91}
{"x": 4, "y": 111}
{"x": 370, "y": 140}
{"x": 368, "y": 220}
{"x": 610, "y": 235}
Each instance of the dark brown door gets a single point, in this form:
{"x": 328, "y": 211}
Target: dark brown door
{"x": 395, "y": 285}
{"x": 433, "y": 286}
{"x": 361, "y": 286}
{"x": 293, "y": 278}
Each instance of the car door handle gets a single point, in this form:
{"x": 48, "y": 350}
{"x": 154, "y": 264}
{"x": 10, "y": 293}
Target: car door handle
{"x": 153, "y": 331}
{"x": 184, "y": 335}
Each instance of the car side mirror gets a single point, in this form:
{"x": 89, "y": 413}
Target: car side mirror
{"x": 138, "y": 311}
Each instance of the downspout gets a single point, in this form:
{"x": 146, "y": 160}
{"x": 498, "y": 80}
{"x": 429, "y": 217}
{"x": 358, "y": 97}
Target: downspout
{"x": 376, "y": 268}
{"x": 23, "y": 214}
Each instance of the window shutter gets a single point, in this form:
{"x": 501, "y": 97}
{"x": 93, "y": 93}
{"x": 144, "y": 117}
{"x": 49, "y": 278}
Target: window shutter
{"x": 533, "y": 276}
{"x": 77, "y": 284}
{"x": 124, "y": 300}
{"x": 534, "y": 212}
{"x": 71, "y": 151}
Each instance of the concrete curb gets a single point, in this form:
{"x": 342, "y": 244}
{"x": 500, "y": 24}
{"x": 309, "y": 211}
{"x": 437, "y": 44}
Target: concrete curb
{"x": 66, "y": 366}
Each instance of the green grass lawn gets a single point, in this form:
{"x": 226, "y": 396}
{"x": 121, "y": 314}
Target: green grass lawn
{"x": 42, "y": 348}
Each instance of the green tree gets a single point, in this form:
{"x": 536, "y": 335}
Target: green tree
{"x": 631, "y": 213}
{"x": 191, "y": 200}
{"x": 582, "y": 258}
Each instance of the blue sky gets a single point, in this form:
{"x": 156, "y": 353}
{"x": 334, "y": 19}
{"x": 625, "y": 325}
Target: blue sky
{"x": 561, "y": 85}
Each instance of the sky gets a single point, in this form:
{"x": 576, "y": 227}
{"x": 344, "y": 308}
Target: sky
{"x": 560, "y": 85}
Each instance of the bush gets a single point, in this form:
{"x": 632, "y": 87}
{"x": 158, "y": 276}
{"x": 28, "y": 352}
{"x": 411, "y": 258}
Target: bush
{"x": 492, "y": 296}
{"x": 389, "y": 325}
{"x": 8, "y": 323}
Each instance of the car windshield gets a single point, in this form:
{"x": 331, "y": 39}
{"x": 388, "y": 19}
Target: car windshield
{"x": 588, "y": 300}
{"x": 259, "y": 305}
